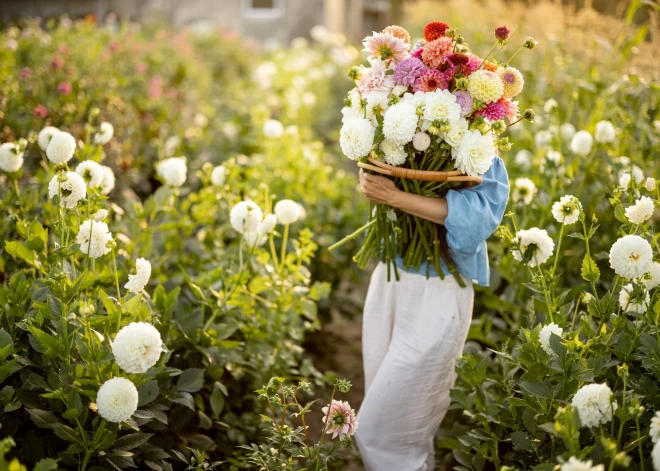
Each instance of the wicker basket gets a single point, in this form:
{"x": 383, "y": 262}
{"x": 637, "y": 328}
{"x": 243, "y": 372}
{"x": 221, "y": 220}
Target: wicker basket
{"x": 422, "y": 175}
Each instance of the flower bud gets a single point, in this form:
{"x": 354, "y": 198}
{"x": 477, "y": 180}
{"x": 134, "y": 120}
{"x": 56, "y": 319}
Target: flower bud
{"x": 461, "y": 83}
{"x": 529, "y": 115}
{"x": 502, "y": 33}
{"x": 504, "y": 144}
{"x": 354, "y": 73}
{"x": 586, "y": 298}
{"x": 433, "y": 130}
{"x": 100, "y": 215}
{"x": 460, "y": 40}
{"x": 650, "y": 184}
{"x": 530, "y": 43}
{"x": 498, "y": 126}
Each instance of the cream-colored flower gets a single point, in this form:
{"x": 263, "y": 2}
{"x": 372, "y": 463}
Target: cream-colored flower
{"x": 605, "y": 132}
{"x": 173, "y": 171}
{"x": 545, "y": 334}
{"x": 91, "y": 172}
{"x": 581, "y": 143}
{"x": 641, "y": 211}
{"x": 631, "y": 256}
{"x": 485, "y": 86}
{"x": 421, "y": 141}
{"x": 567, "y": 209}
{"x": 534, "y": 246}
{"x": 573, "y": 464}
{"x": 394, "y": 154}
{"x": 117, "y": 400}
{"x": 245, "y": 217}
{"x": 652, "y": 278}
{"x": 70, "y": 187}
{"x": 137, "y": 282}
{"x": 400, "y": 123}
{"x": 524, "y": 190}
{"x": 11, "y": 159}
{"x": 634, "y": 302}
{"x": 219, "y": 175}
{"x": 45, "y": 135}
{"x": 93, "y": 238}
{"x": 61, "y": 147}
{"x": 137, "y": 347}
{"x": 356, "y": 137}
{"x": 105, "y": 134}
{"x": 287, "y": 211}
{"x": 108, "y": 182}
{"x": 512, "y": 80}
{"x": 595, "y": 404}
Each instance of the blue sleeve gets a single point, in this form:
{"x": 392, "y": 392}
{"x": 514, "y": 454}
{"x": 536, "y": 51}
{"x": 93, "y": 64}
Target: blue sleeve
{"x": 474, "y": 213}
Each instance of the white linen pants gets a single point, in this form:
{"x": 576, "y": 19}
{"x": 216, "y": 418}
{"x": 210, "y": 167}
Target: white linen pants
{"x": 413, "y": 332}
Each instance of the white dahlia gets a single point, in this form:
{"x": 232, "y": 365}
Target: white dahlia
{"x": 356, "y": 138}
{"x": 581, "y": 143}
{"x": 440, "y": 106}
{"x": 641, "y": 211}
{"x": 595, "y": 404}
{"x": 100, "y": 215}
{"x": 573, "y": 464}
{"x": 273, "y": 129}
{"x": 567, "y": 131}
{"x": 117, "y": 400}
{"x": 546, "y": 333}
{"x": 72, "y": 187}
{"x": 456, "y": 133}
{"x": 605, "y": 132}
{"x": 554, "y": 156}
{"x": 524, "y": 190}
{"x": 655, "y": 456}
{"x": 219, "y": 175}
{"x": 567, "y": 209}
{"x": 45, "y": 135}
{"x": 61, "y": 147}
{"x": 653, "y": 274}
{"x": 550, "y": 105}
{"x": 91, "y": 172}
{"x": 137, "y": 347}
{"x": 654, "y": 431}
{"x": 533, "y": 246}
{"x": 137, "y": 282}
{"x": 254, "y": 239}
{"x": 105, "y": 134}
{"x": 394, "y": 154}
{"x": 421, "y": 141}
{"x": 93, "y": 238}
{"x": 10, "y": 158}
{"x": 377, "y": 103}
{"x": 172, "y": 171}
{"x": 649, "y": 184}
{"x": 245, "y": 217}
{"x": 631, "y": 256}
{"x": 634, "y": 302}
{"x": 108, "y": 182}
{"x": 287, "y": 211}
{"x": 475, "y": 154}
{"x": 268, "y": 224}
{"x": 523, "y": 159}
{"x": 485, "y": 86}
{"x": 512, "y": 80}
{"x": 543, "y": 139}
{"x": 400, "y": 123}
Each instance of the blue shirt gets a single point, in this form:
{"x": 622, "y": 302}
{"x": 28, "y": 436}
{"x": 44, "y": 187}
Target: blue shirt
{"x": 473, "y": 214}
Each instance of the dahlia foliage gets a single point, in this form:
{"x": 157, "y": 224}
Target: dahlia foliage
{"x": 432, "y": 105}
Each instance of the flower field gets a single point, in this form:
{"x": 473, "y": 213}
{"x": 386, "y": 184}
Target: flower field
{"x": 168, "y": 200}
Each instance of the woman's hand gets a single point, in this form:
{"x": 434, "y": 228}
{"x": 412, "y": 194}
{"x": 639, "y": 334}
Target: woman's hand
{"x": 380, "y": 190}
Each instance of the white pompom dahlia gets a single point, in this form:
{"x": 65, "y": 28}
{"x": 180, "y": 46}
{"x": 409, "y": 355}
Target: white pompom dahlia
{"x": 641, "y": 211}
{"x": 245, "y": 217}
{"x": 254, "y": 239}
{"x": 532, "y": 245}
{"x": 475, "y": 154}
{"x": 139, "y": 280}
{"x": 105, "y": 134}
{"x": 11, "y": 159}
{"x": 61, "y": 147}
{"x": 91, "y": 172}
{"x": 655, "y": 456}
{"x": 581, "y": 143}
{"x": 650, "y": 184}
{"x": 631, "y": 256}
{"x": 273, "y": 129}
{"x": 546, "y": 333}
{"x": 45, "y": 135}
{"x": 394, "y": 154}
{"x": 421, "y": 141}
{"x": 268, "y": 224}
{"x": 440, "y": 105}
{"x": 72, "y": 188}
{"x": 108, "y": 182}
{"x": 400, "y": 123}
{"x": 117, "y": 400}
{"x": 573, "y": 464}
{"x": 654, "y": 431}
{"x": 567, "y": 209}
{"x": 93, "y": 238}
{"x": 287, "y": 211}
{"x": 219, "y": 175}
{"x": 173, "y": 171}
{"x": 454, "y": 137}
{"x": 566, "y": 131}
{"x": 356, "y": 137}
{"x": 137, "y": 347}
{"x": 634, "y": 302}
{"x": 605, "y": 132}
{"x": 653, "y": 274}
{"x": 595, "y": 404}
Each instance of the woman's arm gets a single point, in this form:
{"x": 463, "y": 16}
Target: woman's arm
{"x": 381, "y": 190}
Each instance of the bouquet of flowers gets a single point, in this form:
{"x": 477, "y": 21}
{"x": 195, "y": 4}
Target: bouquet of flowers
{"x": 429, "y": 115}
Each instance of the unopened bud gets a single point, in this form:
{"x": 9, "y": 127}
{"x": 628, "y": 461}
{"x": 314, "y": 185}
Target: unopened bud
{"x": 529, "y": 115}
{"x": 461, "y": 83}
{"x": 530, "y": 43}
{"x": 498, "y": 126}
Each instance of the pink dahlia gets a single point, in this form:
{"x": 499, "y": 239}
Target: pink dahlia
{"x": 385, "y": 47}
{"x": 511, "y": 108}
{"x": 465, "y": 101}
{"x": 502, "y": 33}
{"x": 57, "y": 63}
{"x": 473, "y": 63}
{"x": 26, "y": 72}
{"x": 493, "y": 111}
{"x": 418, "y": 52}
{"x": 430, "y": 80}
{"x": 407, "y": 71}
{"x": 435, "y": 52}
{"x": 64, "y": 88}
{"x": 374, "y": 79}
{"x": 340, "y": 419}
{"x": 41, "y": 111}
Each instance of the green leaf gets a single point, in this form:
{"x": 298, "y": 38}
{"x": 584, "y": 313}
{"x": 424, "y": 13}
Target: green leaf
{"x": 147, "y": 393}
{"x": 590, "y": 271}
{"x": 53, "y": 346}
{"x": 191, "y": 380}
{"x": 42, "y": 418}
{"x": 521, "y": 441}
{"x": 66, "y": 433}
{"x": 6, "y": 344}
{"x": 539, "y": 390}
{"x": 130, "y": 441}
{"x": 21, "y": 251}
{"x": 47, "y": 464}
{"x": 217, "y": 401}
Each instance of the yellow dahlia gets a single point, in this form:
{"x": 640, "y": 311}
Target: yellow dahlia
{"x": 398, "y": 32}
{"x": 485, "y": 86}
{"x": 512, "y": 79}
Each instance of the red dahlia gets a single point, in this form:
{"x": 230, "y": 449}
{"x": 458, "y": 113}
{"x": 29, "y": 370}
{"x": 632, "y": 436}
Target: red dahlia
{"x": 435, "y": 30}
{"x": 458, "y": 59}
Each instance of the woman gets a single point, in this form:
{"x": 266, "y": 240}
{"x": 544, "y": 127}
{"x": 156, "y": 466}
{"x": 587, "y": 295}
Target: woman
{"x": 414, "y": 329}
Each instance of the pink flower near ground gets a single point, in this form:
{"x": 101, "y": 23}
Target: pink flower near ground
{"x": 385, "y": 46}
{"x": 141, "y": 68}
{"x": 435, "y": 52}
{"x": 114, "y": 46}
{"x": 26, "y": 72}
{"x": 430, "y": 80}
{"x": 57, "y": 63}
{"x": 64, "y": 88}
{"x": 340, "y": 419}
{"x": 156, "y": 88}
{"x": 63, "y": 49}
{"x": 41, "y": 111}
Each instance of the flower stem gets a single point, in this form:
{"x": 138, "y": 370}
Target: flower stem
{"x": 325, "y": 427}
{"x": 114, "y": 262}
{"x": 284, "y": 242}
{"x": 352, "y": 236}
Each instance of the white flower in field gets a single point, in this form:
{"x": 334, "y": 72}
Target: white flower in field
{"x": 105, "y": 134}
{"x": 573, "y": 464}
{"x": 533, "y": 245}
{"x": 567, "y": 209}
{"x": 605, "y": 132}
{"x": 108, "y": 182}
{"x": 172, "y": 143}
{"x": 72, "y": 187}
{"x": 254, "y": 239}
{"x": 625, "y": 180}
{"x": 554, "y": 157}
{"x": 421, "y": 141}
{"x": 631, "y": 302}
{"x": 137, "y": 282}
{"x": 356, "y": 138}
{"x": 649, "y": 184}
{"x": 303, "y": 212}
{"x": 61, "y": 147}
{"x": 524, "y": 190}
{"x": 654, "y": 276}
{"x": 287, "y": 211}
{"x": 550, "y": 105}
{"x": 264, "y": 74}
{"x": 309, "y": 99}
{"x": 631, "y": 256}
{"x": 172, "y": 171}
{"x": 456, "y": 133}
{"x": 45, "y": 135}
{"x": 582, "y": 142}
{"x": 394, "y": 154}
{"x": 656, "y": 125}
{"x": 566, "y": 131}
{"x": 91, "y": 172}
{"x": 593, "y": 404}
{"x": 93, "y": 238}
{"x": 100, "y": 215}
{"x": 117, "y": 399}
{"x": 440, "y": 106}
{"x": 655, "y": 455}
{"x": 273, "y": 129}
{"x": 400, "y": 123}
{"x": 219, "y": 175}
{"x": 543, "y": 139}
{"x": 268, "y": 224}
{"x": 654, "y": 432}
{"x": 11, "y": 160}
{"x": 545, "y": 334}
{"x": 245, "y": 217}
{"x": 137, "y": 347}
{"x": 475, "y": 154}
{"x": 523, "y": 159}
{"x": 641, "y": 211}
{"x": 627, "y": 175}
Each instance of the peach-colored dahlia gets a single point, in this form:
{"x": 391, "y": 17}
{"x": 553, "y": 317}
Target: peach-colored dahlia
{"x": 385, "y": 46}
{"x": 435, "y": 52}
{"x": 398, "y": 32}
{"x": 340, "y": 419}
